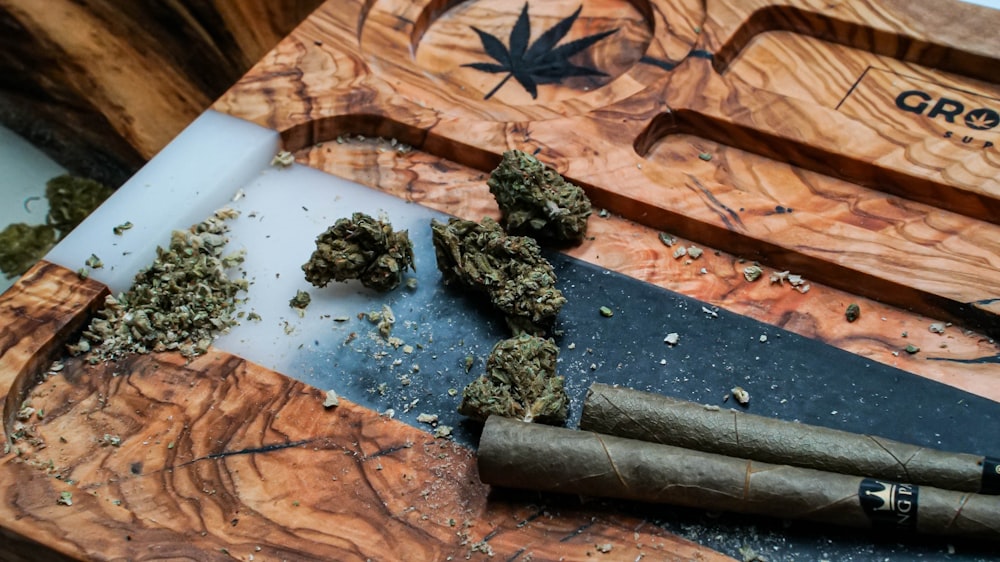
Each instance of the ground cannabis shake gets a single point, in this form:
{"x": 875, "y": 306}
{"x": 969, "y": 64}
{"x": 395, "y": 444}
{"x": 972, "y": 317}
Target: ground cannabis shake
{"x": 509, "y": 269}
{"x": 536, "y": 201}
{"x": 362, "y": 248}
{"x": 180, "y": 302}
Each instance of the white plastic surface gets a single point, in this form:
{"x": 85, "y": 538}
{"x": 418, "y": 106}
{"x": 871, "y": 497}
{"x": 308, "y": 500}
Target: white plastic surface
{"x": 198, "y": 172}
{"x": 282, "y": 211}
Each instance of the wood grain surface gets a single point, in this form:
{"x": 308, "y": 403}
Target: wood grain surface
{"x": 218, "y": 458}
{"x": 766, "y": 132}
{"x": 102, "y": 86}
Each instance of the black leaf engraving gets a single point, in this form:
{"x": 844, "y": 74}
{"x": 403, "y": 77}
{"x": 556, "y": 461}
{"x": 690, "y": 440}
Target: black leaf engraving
{"x": 543, "y": 62}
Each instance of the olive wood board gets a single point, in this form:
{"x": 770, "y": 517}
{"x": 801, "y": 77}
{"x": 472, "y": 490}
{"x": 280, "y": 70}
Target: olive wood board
{"x": 815, "y": 164}
{"x": 788, "y": 376}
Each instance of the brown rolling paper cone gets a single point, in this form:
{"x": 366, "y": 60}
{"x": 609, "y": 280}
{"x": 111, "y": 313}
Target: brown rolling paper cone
{"x": 661, "y": 419}
{"x": 530, "y": 456}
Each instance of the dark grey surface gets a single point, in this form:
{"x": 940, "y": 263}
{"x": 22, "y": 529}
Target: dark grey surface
{"x": 788, "y": 377}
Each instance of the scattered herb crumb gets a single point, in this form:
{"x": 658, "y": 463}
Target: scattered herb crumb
{"x": 331, "y": 400}
{"x": 94, "y": 262}
{"x": 912, "y": 349}
{"x": 667, "y": 239}
{"x": 741, "y": 395}
{"x": 705, "y": 156}
{"x": 430, "y": 419}
{"x": 936, "y": 328}
{"x": 672, "y": 338}
{"x": 442, "y": 431}
{"x": 118, "y": 230}
{"x": 65, "y": 498}
{"x": 283, "y": 159}
{"x": 853, "y": 312}
{"x": 752, "y": 273}
{"x": 606, "y": 312}
{"x": 300, "y": 301}
{"x": 695, "y": 252}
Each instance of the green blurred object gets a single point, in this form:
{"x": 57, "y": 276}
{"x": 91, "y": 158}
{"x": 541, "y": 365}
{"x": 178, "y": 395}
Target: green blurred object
{"x": 71, "y": 199}
{"x": 22, "y": 244}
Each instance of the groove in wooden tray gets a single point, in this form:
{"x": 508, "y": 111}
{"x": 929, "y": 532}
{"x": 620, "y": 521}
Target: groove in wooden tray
{"x": 966, "y": 186}
{"x": 963, "y": 358}
{"x": 40, "y": 311}
{"x": 864, "y": 26}
{"x": 749, "y": 200}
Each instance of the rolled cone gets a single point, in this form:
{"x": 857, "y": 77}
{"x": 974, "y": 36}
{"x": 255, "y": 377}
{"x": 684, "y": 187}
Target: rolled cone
{"x": 661, "y": 419}
{"x": 523, "y": 455}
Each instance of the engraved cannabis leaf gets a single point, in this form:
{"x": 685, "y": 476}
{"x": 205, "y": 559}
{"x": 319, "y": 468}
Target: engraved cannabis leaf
{"x": 542, "y": 62}
{"x": 982, "y": 119}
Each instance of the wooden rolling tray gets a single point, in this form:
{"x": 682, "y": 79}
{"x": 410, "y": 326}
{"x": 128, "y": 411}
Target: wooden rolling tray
{"x": 853, "y": 143}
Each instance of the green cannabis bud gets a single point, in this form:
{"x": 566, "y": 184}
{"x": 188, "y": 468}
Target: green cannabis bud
{"x": 520, "y": 382}
{"x": 509, "y": 269}
{"x": 21, "y": 245}
{"x": 536, "y": 201}
{"x": 72, "y": 199}
{"x": 362, "y": 248}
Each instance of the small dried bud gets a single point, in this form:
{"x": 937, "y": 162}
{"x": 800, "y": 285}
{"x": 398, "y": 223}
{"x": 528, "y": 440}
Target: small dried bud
{"x": 510, "y": 269}
{"x": 362, "y": 248}
{"x": 536, "y": 201}
{"x": 520, "y": 382}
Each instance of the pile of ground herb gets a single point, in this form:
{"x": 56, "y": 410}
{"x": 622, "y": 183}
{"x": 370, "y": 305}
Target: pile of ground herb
{"x": 181, "y": 302}
{"x": 509, "y": 269}
{"x": 536, "y": 201}
{"x": 520, "y": 382}
{"x": 71, "y": 199}
{"x": 362, "y": 248}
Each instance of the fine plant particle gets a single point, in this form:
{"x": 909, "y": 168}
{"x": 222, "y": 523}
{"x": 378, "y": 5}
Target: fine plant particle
{"x": 695, "y": 252}
{"x": 65, "y": 498}
{"x": 511, "y": 270}
{"x": 180, "y": 302}
{"x": 94, "y": 262}
{"x": 741, "y": 395}
{"x": 121, "y": 228}
{"x": 853, "y": 312}
{"x": 331, "y": 400}
{"x": 672, "y": 338}
{"x": 300, "y": 301}
{"x": 606, "y": 312}
{"x": 520, "y": 382}
{"x": 912, "y": 349}
{"x": 667, "y": 239}
{"x": 705, "y": 156}
{"x": 752, "y": 273}
{"x": 362, "y": 248}
{"x": 936, "y": 328}
{"x": 283, "y": 159}
{"x": 536, "y": 201}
